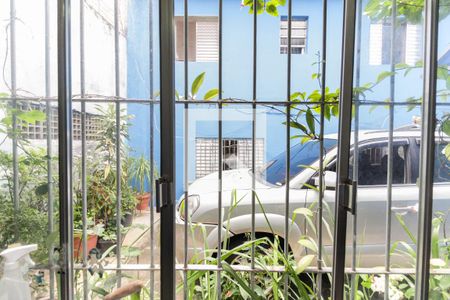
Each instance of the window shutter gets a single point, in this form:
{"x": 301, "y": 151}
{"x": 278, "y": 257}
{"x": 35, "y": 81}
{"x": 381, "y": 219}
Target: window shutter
{"x": 413, "y": 51}
{"x": 375, "y": 44}
{"x": 207, "y": 41}
{"x": 179, "y": 39}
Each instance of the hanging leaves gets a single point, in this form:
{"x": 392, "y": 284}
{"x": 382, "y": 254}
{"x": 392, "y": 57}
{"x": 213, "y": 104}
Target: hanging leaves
{"x": 197, "y": 83}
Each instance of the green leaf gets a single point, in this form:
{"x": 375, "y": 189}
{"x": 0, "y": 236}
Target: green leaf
{"x": 307, "y": 243}
{"x": 315, "y": 75}
{"x": 447, "y": 151}
{"x": 448, "y": 83}
{"x": 135, "y": 296}
{"x": 384, "y": 75}
{"x": 4, "y": 95}
{"x": 442, "y": 73}
{"x": 446, "y": 127}
{"x": 197, "y": 84}
{"x": 42, "y": 189}
{"x": 405, "y": 228}
{"x": 295, "y": 96}
{"x": 212, "y": 93}
{"x": 271, "y": 8}
{"x": 305, "y": 139}
{"x": 304, "y": 262}
{"x": 303, "y": 211}
{"x": 130, "y": 251}
{"x": 298, "y": 126}
{"x": 335, "y": 110}
{"x": 99, "y": 290}
{"x": 327, "y": 112}
{"x": 310, "y": 121}
{"x": 401, "y": 66}
{"x": 32, "y": 116}
{"x": 241, "y": 282}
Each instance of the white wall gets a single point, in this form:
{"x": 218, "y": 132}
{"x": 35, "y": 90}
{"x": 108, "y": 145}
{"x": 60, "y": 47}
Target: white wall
{"x": 30, "y": 48}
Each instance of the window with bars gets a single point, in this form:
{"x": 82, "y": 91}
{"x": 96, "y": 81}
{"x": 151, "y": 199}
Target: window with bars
{"x": 203, "y": 39}
{"x": 407, "y": 48}
{"x": 237, "y": 153}
{"x": 299, "y": 29}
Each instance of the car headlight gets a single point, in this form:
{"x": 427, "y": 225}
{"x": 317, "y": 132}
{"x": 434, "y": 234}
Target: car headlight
{"x": 193, "y": 202}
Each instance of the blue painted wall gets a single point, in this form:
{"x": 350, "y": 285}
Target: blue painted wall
{"x": 271, "y": 74}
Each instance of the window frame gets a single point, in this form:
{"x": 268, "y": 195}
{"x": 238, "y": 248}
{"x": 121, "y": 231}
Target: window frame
{"x": 179, "y": 33}
{"x": 408, "y": 160}
{"x": 284, "y": 47}
{"x": 416, "y": 142}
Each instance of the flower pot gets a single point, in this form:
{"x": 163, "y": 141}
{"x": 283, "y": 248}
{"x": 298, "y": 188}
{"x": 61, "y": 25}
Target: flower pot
{"x": 143, "y": 201}
{"x": 78, "y": 244}
{"x": 127, "y": 219}
{"x": 104, "y": 245}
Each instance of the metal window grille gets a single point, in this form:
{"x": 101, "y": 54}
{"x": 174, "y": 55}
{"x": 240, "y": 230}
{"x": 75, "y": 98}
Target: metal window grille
{"x": 350, "y": 62}
{"x": 237, "y": 153}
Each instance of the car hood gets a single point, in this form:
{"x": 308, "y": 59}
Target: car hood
{"x": 239, "y": 179}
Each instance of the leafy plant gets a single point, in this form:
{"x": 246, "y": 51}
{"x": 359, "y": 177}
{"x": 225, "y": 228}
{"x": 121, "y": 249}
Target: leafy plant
{"x": 28, "y": 225}
{"x": 440, "y": 258}
{"x": 141, "y": 171}
{"x": 268, "y": 6}
{"x": 195, "y": 87}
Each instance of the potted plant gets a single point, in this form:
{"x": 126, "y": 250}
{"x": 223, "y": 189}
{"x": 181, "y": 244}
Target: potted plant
{"x": 129, "y": 199}
{"x": 107, "y": 240}
{"x": 141, "y": 175}
{"x": 94, "y": 231}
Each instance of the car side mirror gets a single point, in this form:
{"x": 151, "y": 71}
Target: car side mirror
{"x": 329, "y": 179}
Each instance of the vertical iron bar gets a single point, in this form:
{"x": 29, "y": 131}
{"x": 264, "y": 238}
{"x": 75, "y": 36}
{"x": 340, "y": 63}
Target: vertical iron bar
{"x": 118, "y": 140}
{"x": 356, "y": 143}
{"x": 65, "y": 150}
{"x": 255, "y": 36}
{"x": 83, "y": 151}
{"x": 390, "y": 151}
{"x": 152, "y": 159}
{"x": 13, "y": 87}
{"x": 288, "y": 144}
{"x": 168, "y": 157}
{"x": 49, "y": 114}
{"x": 427, "y": 148}
{"x": 220, "y": 187}
{"x": 323, "y": 83}
{"x": 345, "y": 117}
{"x": 186, "y": 144}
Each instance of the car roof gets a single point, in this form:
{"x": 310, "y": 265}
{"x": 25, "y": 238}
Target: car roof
{"x": 408, "y": 131}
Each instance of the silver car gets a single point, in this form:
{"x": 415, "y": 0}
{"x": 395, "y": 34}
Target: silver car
{"x": 271, "y": 196}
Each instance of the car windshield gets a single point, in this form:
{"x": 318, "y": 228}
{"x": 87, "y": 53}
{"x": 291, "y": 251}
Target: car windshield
{"x": 302, "y": 155}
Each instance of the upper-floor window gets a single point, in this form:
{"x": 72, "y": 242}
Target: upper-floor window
{"x": 407, "y": 48}
{"x": 299, "y": 29}
{"x": 203, "y": 38}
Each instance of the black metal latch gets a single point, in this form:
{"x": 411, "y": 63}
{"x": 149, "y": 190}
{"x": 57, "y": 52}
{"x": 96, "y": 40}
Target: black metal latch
{"x": 162, "y": 184}
{"x": 349, "y": 190}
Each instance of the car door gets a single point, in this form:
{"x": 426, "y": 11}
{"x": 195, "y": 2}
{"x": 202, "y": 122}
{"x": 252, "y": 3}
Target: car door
{"x": 441, "y": 188}
{"x": 372, "y": 198}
